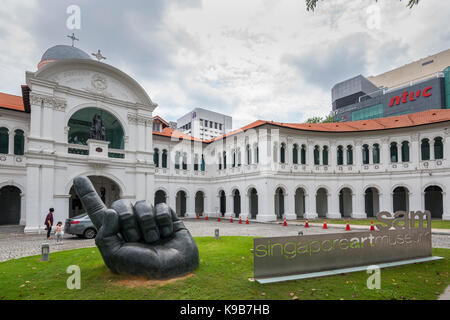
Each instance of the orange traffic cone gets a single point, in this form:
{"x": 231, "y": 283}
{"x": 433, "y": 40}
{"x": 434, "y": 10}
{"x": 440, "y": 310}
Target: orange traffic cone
{"x": 372, "y": 228}
{"x": 231, "y": 219}
{"x": 347, "y": 227}
{"x": 198, "y": 217}
{"x": 306, "y": 224}
{"x": 206, "y": 218}
{"x": 240, "y": 220}
{"x": 247, "y": 222}
{"x": 325, "y": 224}
{"x": 284, "y": 222}
{"x": 218, "y": 218}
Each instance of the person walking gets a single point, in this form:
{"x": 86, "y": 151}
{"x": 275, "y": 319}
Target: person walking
{"x": 49, "y": 222}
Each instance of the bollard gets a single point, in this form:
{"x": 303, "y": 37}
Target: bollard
{"x": 216, "y": 233}
{"x": 45, "y": 249}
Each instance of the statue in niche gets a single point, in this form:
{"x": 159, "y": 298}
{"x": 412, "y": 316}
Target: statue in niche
{"x": 140, "y": 239}
{"x": 97, "y": 131}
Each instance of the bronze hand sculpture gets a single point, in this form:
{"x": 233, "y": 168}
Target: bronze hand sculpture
{"x": 139, "y": 240}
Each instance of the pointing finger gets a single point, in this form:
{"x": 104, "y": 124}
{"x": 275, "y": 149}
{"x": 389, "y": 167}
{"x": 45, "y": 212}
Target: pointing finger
{"x": 90, "y": 200}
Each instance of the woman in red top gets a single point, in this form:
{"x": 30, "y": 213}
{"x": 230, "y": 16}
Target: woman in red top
{"x": 49, "y": 222}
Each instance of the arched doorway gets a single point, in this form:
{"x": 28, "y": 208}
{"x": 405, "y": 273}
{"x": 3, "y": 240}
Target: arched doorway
{"x": 253, "y": 202}
{"x": 10, "y": 205}
{"x": 160, "y": 197}
{"x": 181, "y": 203}
{"x": 372, "y": 202}
{"x": 434, "y": 201}
{"x": 300, "y": 202}
{"x": 322, "y": 202}
{"x": 345, "y": 202}
{"x": 400, "y": 199}
{"x": 223, "y": 202}
{"x": 199, "y": 203}
{"x": 236, "y": 203}
{"x": 279, "y": 203}
{"x": 106, "y": 188}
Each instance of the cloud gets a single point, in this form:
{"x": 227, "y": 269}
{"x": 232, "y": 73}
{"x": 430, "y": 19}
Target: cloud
{"x": 330, "y": 63}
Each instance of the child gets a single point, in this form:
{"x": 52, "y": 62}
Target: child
{"x": 59, "y": 232}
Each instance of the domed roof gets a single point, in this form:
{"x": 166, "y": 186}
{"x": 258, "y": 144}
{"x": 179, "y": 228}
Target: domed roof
{"x": 62, "y": 52}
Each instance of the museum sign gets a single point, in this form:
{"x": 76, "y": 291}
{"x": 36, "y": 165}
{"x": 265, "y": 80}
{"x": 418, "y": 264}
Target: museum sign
{"x": 396, "y": 239}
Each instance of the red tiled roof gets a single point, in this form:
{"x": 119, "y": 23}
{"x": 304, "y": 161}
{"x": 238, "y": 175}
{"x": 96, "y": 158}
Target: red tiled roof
{"x": 8, "y": 101}
{"x": 170, "y": 132}
{"x": 396, "y": 122}
{"x": 161, "y": 119}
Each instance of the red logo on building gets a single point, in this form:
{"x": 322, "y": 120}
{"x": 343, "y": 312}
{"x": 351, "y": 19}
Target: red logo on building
{"x": 410, "y": 96}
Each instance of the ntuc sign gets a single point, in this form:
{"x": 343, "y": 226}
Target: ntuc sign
{"x": 401, "y": 237}
{"x": 408, "y": 96}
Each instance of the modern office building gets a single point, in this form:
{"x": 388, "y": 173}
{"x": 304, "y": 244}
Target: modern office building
{"x": 205, "y": 124}
{"x": 418, "y": 86}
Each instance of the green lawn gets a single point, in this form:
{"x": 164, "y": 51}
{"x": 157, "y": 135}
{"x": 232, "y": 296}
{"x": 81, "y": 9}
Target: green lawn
{"x": 225, "y": 268}
{"x": 435, "y": 224}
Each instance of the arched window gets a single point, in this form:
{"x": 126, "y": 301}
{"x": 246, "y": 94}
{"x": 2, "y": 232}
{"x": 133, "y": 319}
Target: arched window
{"x": 19, "y": 143}
{"x": 249, "y": 155}
{"x": 156, "y": 157}
{"x": 425, "y": 149}
{"x": 316, "y": 155}
{"x": 4, "y": 141}
{"x": 234, "y": 159}
{"x": 239, "y": 157}
{"x": 203, "y": 163}
{"x": 340, "y": 155}
{"x": 224, "y": 160}
{"x": 303, "y": 154}
{"x": 394, "y": 152}
{"x": 365, "y": 154}
{"x": 81, "y": 122}
{"x": 283, "y": 153}
{"x": 220, "y": 161}
{"x": 405, "y": 151}
{"x": 438, "y": 148}
{"x": 257, "y": 154}
{"x": 295, "y": 154}
{"x": 177, "y": 160}
{"x": 376, "y": 153}
{"x": 164, "y": 158}
{"x": 196, "y": 162}
{"x": 325, "y": 156}
{"x": 349, "y": 154}
{"x": 184, "y": 161}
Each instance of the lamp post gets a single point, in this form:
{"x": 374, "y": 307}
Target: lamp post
{"x": 45, "y": 249}
{"x": 216, "y": 233}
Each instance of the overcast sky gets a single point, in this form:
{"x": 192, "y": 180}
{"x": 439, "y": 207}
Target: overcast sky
{"x": 252, "y": 59}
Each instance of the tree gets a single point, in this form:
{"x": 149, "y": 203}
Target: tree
{"x": 327, "y": 119}
{"x": 311, "y": 4}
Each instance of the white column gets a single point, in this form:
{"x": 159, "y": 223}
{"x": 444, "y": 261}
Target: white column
{"x": 358, "y": 205}
{"x": 228, "y": 205}
{"x": 385, "y": 154}
{"x": 358, "y": 155}
{"x": 266, "y": 205}
{"x": 289, "y": 207}
{"x": 11, "y": 142}
{"x": 333, "y": 205}
{"x": 310, "y": 204}
{"x": 190, "y": 206}
{"x": 445, "y": 201}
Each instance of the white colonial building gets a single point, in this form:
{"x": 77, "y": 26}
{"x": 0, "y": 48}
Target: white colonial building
{"x": 265, "y": 171}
